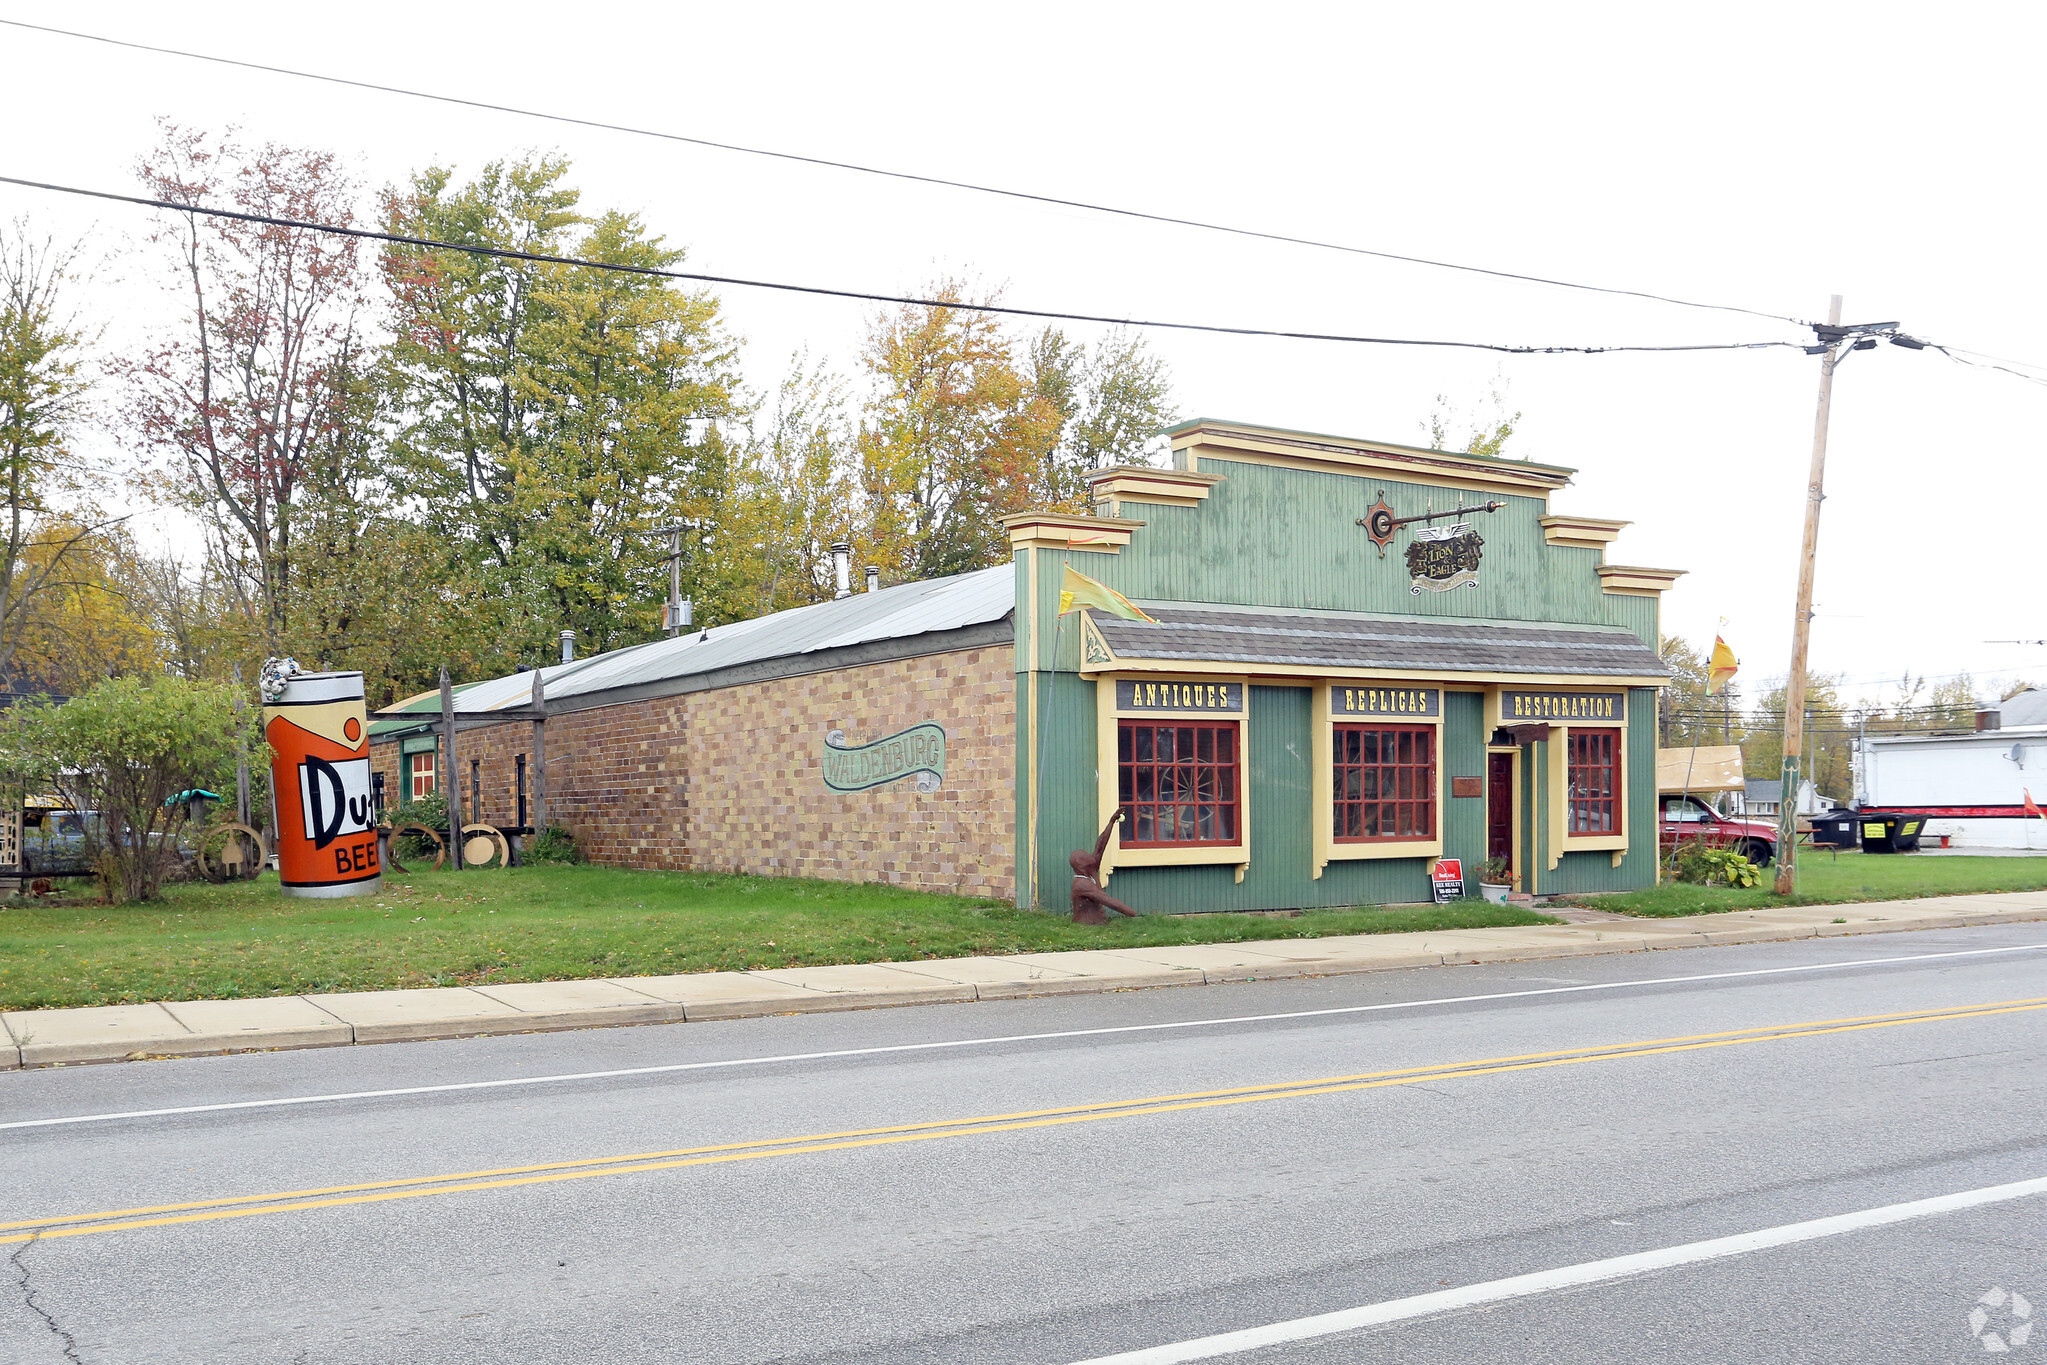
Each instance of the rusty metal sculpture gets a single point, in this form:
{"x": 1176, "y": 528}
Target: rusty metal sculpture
{"x": 1089, "y": 900}
{"x": 388, "y": 838}
{"x": 240, "y": 856}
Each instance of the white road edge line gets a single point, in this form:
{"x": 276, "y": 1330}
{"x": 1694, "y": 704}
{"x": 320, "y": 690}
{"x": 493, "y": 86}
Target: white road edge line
{"x": 990, "y": 1042}
{"x": 1564, "y": 1277}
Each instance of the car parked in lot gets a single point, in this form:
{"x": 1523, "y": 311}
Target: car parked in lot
{"x": 1687, "y": 819}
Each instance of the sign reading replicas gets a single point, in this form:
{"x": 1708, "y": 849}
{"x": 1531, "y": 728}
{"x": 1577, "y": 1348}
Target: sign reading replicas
{"x": 918, "y": 751}
{"x": 1564, "y": 706}
{"x": 1179, "y": 695}
{"x": 1386, "y": 701}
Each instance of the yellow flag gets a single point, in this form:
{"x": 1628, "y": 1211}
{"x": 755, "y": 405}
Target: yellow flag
{"x": 1077, "y": 590}
{"x": 1722, "y": 667}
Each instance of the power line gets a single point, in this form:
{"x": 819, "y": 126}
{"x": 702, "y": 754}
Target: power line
{"x": 1956, "y": 354}
{"x": 544, "y": 258}
{"x": 1050, "y": 200}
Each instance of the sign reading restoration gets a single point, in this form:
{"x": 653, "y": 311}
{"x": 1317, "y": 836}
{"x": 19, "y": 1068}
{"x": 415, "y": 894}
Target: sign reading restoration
{"x": 1385, "y": 701}
{"x": 918, "y": 751}
{"x": 1179, "y": 695}
{"x": 1562, "y": 706}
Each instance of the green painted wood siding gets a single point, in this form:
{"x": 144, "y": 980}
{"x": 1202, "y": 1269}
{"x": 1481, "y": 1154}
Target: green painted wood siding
{"x": 1288, "y": 538}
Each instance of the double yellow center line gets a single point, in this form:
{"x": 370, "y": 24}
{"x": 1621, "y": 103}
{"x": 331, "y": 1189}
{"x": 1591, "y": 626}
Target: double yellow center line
{"x": 506, "y": 1177}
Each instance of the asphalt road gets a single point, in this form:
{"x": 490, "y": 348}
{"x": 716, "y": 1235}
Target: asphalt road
{"x": 1545, "y": 1129}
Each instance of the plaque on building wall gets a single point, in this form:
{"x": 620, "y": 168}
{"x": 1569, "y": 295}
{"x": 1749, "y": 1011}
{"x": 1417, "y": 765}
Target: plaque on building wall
{"x": 1423, "y": 702}
{"x": 1179, "y": 694}
{"x": 916, "y": 752}
{"x": 1564, "y": 706}
{"x": 1467, "y": 786}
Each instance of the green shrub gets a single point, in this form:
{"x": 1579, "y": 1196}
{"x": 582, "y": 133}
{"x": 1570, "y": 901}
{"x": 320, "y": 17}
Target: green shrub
{"x": 121, "y": 750}
{"x": 553, "y": 845}
{"x": 1705, "y": 866}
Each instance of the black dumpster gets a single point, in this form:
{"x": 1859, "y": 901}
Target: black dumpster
{"x": 1887, "y": 832}
{"x": 1837, "y": 829}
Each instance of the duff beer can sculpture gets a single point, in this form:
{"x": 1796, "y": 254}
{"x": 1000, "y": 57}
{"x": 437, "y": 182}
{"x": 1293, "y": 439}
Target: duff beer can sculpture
{"x": 320, "y": 776}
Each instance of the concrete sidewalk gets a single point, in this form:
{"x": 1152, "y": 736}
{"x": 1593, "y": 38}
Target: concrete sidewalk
{"x": 190, "y": 1028}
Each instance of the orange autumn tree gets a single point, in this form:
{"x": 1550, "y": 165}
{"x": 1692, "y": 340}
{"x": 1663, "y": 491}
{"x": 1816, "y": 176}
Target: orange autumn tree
{"x": 955, "y": 438}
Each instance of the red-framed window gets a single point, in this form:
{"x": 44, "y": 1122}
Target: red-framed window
{"x": 1385, "y": 783}
{"x": 1178, "y": 784}
{"x": 1594, "y": 782}
{"x": 422, "y": 774}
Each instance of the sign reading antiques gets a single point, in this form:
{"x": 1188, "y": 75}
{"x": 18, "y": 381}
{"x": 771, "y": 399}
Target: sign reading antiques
{"x": 1440, "y": 558}
{"x": 1517, "y": 706}
{"x": 1179, "y": 695}
{"x": 1386, "y": 701}
{"x": 918, "y": 751}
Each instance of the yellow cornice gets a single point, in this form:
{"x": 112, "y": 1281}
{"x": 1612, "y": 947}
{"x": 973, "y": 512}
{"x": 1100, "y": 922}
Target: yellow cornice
{"x": 1588, "y": 533}
{"x": 1211, "y": 440}
{"x": 1068, "y": 531}
{"x": 1637, "y": 581}
{"x": 1142, "y": 484}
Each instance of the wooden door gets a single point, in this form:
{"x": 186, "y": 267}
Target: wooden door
{"x": 1499, "y": 808}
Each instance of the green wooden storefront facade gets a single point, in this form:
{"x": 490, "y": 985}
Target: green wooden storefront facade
{"x": 1254, "y": 536}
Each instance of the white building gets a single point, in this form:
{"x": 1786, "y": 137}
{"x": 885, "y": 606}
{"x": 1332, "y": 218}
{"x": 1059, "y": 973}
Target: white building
{"x": 1764, "y": 798}
{"x": 1988, "y": 770}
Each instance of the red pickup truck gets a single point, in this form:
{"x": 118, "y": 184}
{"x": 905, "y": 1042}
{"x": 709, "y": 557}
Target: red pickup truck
{"x": 1687, "y": 819}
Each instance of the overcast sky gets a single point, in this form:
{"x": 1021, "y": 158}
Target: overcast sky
{"x": 1764, "y": 156}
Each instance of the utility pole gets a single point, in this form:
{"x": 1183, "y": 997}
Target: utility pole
{"x": 1801, "y": 630}
{"x": 1835, "y": 341}
{"x": 681, "y": 613}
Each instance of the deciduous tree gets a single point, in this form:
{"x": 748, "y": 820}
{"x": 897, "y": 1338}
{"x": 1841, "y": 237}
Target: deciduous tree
{"x": 953, "y": 438}
{"x": 1112, "y": 398}
{"x": 237, "y": 398}
{"x": 51, "y": 541}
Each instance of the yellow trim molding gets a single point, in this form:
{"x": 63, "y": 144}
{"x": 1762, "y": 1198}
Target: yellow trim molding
{"x": 1109, "y": 489}
{"x": 1108, "y": 776}
{"x": 1587, "y": 533}
{"x": 1066, "y": 531}
{"x": 1203, "y": 440}
{"x": 1637, "y": 581}
{"x": 1322, "y": 786}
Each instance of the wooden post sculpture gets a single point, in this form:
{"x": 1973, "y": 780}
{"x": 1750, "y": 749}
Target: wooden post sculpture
{"x": 1089, "y": 900}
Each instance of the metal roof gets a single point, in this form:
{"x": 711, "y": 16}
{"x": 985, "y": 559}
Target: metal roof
{"x": 1443, "y": 645}
{"x": 900, "y": 612}
{"x": 2024, "y": 708}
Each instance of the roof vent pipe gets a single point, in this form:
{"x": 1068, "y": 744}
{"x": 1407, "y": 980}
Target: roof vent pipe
{"x": 842, "y": 568}
{"x": 568, "y": 646}
{"x": 873, "y": 578}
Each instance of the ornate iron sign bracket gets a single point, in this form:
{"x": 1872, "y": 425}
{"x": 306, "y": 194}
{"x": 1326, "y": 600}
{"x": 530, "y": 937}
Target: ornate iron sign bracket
{"x": 1380, "y": 523}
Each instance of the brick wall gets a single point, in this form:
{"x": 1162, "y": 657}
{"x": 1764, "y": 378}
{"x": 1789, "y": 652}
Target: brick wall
{"x": 729, "y": 780}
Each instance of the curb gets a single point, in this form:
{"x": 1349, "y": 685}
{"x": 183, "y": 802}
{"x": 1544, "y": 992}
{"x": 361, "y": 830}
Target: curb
{"x": 132, "y": 1034}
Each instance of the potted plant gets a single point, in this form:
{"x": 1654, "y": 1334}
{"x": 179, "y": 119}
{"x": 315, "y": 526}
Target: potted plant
{"x": 1493, "y": 881}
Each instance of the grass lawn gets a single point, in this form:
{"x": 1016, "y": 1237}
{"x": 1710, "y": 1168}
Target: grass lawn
{"x": 1825, "y": 879}
{"x": 560, "y": 923}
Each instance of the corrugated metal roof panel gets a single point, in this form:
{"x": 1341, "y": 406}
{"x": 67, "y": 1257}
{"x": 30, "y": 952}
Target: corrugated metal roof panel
{"x": 908, "y": 609}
